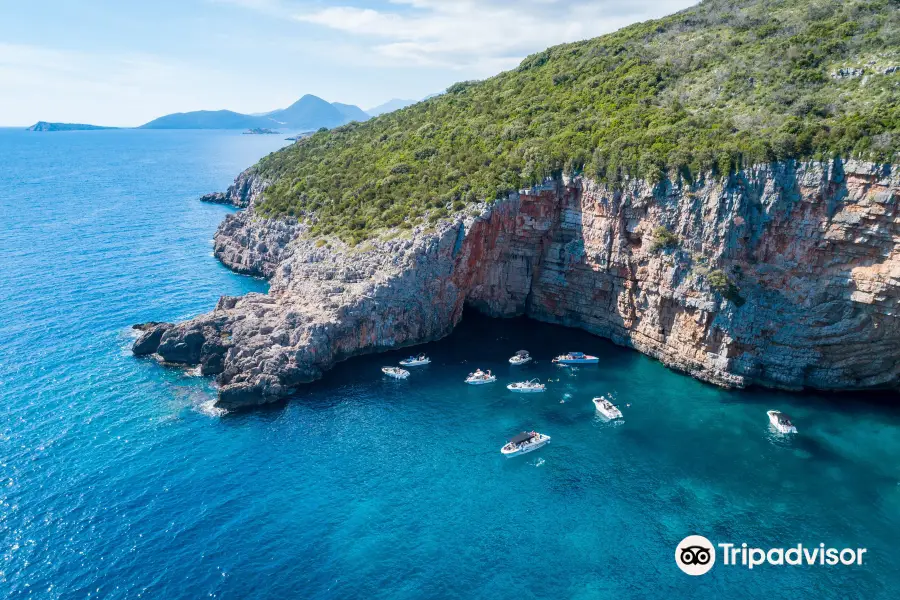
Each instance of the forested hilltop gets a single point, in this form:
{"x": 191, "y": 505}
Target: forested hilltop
{"x": 716, "y": 87}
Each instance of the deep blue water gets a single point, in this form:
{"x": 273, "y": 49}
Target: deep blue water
{"x": 117, "y": 481}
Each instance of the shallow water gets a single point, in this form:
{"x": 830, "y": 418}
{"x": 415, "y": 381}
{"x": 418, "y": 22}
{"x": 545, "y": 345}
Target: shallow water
{"x": 117, "y": 480}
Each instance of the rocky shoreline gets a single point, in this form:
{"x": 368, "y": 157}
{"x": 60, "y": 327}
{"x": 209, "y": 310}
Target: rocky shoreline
{"x": 785, "y": 275}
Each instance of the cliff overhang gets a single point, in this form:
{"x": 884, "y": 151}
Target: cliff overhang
{"x": 785, "y": 275}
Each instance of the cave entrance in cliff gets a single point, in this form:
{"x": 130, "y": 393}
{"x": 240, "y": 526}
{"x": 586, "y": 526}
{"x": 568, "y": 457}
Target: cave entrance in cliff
{"x": 480, "y": 337}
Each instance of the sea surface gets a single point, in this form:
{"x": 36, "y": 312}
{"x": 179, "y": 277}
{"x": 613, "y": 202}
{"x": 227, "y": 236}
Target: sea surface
{"x": 118, "y": 479}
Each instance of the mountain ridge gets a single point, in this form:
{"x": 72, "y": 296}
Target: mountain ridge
{"x": 208, "y": 119}
{"x": 352, "y": 112}
{"x": 308, "y": 113}
{"x": 390, "y": 106}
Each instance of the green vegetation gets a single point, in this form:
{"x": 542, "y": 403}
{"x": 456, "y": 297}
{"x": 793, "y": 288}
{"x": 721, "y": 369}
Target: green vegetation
{"x": 663, "y": 239}
{"x": 717, "y": 279}
{"x": 719, "y": 282}
{"x": 712, "y": 89}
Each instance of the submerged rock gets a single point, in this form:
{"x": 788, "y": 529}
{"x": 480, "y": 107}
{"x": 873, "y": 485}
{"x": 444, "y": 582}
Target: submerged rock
{"x": 785, "y": 275}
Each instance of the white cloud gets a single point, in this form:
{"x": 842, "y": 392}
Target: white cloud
{"x": 478, "y": 37}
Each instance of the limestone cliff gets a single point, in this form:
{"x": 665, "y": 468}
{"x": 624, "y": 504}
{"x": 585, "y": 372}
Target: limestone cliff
{"x": 786, "y": 275}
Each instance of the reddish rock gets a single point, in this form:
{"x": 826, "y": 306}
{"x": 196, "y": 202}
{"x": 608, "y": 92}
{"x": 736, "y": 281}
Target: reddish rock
{"x": 785, "y": 276}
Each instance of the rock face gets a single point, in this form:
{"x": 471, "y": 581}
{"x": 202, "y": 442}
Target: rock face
{"x": 239, "y": 194}
{"x": 786, "y": 275}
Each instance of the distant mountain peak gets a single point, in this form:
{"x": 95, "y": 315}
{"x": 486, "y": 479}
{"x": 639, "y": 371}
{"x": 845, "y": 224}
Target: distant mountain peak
{"x": 390, "y": 106}
{"x": 351, "y": 111}
{"x": 308, "y": 113}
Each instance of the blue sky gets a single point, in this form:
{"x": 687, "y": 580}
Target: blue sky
{"x": 126, "y": 62}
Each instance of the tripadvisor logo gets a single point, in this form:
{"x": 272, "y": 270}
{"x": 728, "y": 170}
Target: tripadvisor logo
{"x": 696, "y": 555}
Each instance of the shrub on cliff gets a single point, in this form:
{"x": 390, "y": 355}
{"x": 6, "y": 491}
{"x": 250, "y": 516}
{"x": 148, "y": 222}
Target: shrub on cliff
{"x": 663, "y": 239}
{"x": 720, "y": 282}
{"x": 714, "y": 88}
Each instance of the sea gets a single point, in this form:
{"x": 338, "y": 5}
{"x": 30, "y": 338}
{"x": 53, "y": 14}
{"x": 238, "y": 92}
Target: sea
{"x": 119, "y": 479}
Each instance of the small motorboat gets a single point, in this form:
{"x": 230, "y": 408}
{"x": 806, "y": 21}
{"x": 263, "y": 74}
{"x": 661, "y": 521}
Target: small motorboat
{"x": 576, "y": 358}
{"x": 480, "y": 377}
{"x": 781, "y": 421}
{"x": 524, "y": 443}
{"x": 527, "y": 387}
{"x": 607, "y": 408}
{"x": 395, "y": 372}
{"x": 520, "y": 358}
{"x": 415, "y": 361}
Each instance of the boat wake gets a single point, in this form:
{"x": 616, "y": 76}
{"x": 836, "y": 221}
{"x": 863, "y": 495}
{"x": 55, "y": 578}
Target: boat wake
{"x": 778, "y": 438}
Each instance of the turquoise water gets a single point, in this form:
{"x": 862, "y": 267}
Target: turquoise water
{"x": 116, "y": 481}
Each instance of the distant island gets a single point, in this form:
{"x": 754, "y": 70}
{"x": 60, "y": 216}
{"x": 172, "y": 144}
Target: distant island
{"x": 309, "y": 112}
{"x": 45, "y": 126}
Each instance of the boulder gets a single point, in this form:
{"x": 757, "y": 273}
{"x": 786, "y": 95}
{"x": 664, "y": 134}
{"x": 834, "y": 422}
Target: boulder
{"x": 149, "y": 341}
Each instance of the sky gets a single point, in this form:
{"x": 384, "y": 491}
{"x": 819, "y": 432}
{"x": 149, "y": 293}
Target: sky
{"x": 126, "y": 62}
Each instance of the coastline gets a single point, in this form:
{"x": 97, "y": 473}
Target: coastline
{"x": 716, "y": 304}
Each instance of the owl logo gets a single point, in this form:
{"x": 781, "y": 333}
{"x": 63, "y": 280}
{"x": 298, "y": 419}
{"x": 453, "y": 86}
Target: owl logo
{"x": 695, "y": 555}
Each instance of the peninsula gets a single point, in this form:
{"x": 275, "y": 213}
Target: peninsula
{"x": 698, "y": 188}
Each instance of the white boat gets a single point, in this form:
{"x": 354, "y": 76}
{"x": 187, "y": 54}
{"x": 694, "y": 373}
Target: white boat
{"x": 395, "y": 372}
{"x": 576, "y": 358}
{"x": 415, "y": 361}
{"x": 525, "y": 442}
{"x": 607, "y": 408}
{"x": 781, "y": 421}
{"x": 520, "y": 358}
{"x": 527, "y": 387}
{"x": 480, "y": 377}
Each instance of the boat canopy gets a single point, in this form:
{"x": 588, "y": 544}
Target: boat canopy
{"x": 522, "y": 353}
{"x": 576, "y": 354}
{"x": 522, "y": 437}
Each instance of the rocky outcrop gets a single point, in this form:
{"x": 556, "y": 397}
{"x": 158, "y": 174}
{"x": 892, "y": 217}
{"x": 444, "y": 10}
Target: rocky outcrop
{"x": 245, "y": 242}
{"x": 786, "y": 275}
{"x": 252, "y": 245}
{"x": 245, "y": 190}
{"x": 148, "y": 342}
